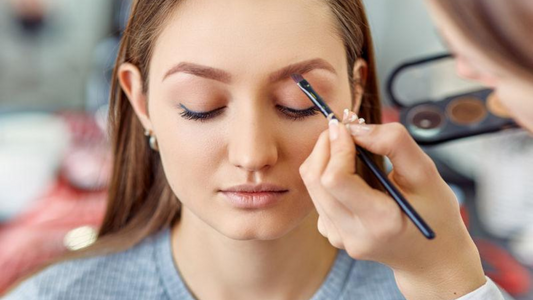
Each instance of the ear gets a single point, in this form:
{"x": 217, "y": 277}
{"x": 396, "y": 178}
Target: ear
{"x": 360, "y": 74}
{"x": 131, "y": 82}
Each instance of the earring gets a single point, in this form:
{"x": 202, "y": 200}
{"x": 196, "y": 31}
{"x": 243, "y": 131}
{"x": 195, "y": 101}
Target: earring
{"x": 152, "y": 140}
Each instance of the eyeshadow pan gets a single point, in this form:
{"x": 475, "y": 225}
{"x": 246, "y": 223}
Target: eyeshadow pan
{"x": 495, "y": 106}
{"x": 426, "y": 120}
{"x": 466, "y": 110}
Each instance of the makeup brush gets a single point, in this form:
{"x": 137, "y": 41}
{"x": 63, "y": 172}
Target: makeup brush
{"x": 364, "y": 155}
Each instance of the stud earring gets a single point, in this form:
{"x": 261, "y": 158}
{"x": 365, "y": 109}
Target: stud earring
{"x": 152, "y": 140}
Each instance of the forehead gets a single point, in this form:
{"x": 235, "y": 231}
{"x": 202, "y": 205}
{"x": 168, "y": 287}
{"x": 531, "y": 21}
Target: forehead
{"x": 248, "y": 37}
{"x": 447, "y": 29}
{"x": 456, "y": 38}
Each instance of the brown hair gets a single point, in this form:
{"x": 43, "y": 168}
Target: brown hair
{"x": 140, "y": 199}
{"x": 501, "y": 29}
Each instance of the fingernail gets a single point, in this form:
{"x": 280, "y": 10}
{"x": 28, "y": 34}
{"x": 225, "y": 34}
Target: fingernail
{"x": 333, "y": 129}
{"x": 360, "y": 129}
{"x": 345, "y": 114}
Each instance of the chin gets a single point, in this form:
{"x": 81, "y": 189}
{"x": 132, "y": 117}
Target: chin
{"x": 259, "y": 226}
{"x": 528, "y": 126}
{"x": 523, "y": 120}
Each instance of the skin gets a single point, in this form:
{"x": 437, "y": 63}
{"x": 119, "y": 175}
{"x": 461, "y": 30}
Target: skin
{"x": 256, "y": 253}
{"x": 252, "y": 254}
{"x": 513, "y": 87}
{"x": 329, "y": 170}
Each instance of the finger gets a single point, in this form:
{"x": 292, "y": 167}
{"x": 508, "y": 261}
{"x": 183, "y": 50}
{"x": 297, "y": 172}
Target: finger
{"x": 317, "y": 160}
{"x": 329, "y": 210}
{"x": 310, "y": 172}
{"x": 348, "y": 188}
{"x": 336, "y": 205}
{"x": 412, "y": 167}
{"x": 342, "y": 148}
{"x": 370, "y": 209}
{"x": 339, "y": 175}
{"x": 376, "y": 210}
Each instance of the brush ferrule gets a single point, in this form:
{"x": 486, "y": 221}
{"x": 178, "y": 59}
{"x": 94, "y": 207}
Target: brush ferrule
{"x": 316, "y": 99}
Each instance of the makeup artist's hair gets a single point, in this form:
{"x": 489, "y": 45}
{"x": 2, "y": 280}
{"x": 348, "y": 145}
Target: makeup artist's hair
{"x": 501, "y": 29}
{"x": 140, "y": 199}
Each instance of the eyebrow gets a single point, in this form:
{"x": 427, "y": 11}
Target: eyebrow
{"x": 200, "y": 71}
{"x": 225, "y": 77}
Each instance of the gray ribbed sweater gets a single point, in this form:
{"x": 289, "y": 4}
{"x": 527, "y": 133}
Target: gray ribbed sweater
{"x": 147, "y": 271}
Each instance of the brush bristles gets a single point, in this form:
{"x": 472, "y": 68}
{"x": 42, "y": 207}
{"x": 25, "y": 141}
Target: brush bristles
{"x": 297, "y": 78}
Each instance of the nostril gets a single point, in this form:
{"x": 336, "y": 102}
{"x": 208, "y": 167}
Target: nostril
{"x": 252, "y": 147}
{"x": 250, "y": 158}
{"x": 253, "y": 164}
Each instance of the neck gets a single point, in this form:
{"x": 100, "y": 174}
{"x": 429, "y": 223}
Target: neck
{"x": 214, "y": 266}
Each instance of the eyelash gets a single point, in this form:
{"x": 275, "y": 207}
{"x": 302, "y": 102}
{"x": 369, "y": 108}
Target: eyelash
{"x": 293, "y": 114}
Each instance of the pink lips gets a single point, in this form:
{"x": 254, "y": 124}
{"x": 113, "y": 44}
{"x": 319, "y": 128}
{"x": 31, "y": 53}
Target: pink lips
{"x": 254, "y": 196}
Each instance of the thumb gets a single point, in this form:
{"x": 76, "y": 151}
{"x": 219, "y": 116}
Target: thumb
{"x": 342, "y": 149}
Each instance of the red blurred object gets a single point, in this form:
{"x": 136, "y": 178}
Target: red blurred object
{"x": 464, "y": 215}
{"x": 504, "y": 269}
{"x": 30, "y": 9}
{"x": 87, "y": 164}
{"x": 31, "y": 15}
{"x": 501, "y": 266}
{"x": 390, "y": 114}
{"x": 36, "y": 237}
{"x": 78, "y": 198}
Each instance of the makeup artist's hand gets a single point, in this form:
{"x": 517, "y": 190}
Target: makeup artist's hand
{"x": 369, "y": 225}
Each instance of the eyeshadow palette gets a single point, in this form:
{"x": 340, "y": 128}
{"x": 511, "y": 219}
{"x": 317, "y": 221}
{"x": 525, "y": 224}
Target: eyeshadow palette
{"x": 454, "y": 117}
{"x": 437, "y": 119}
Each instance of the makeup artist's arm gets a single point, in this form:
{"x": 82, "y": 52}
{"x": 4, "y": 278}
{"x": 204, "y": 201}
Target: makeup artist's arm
{"x": 370, "y": 225}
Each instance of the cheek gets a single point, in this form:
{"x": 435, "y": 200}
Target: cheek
{"x": 189, "y": 152}
{"x": 516, "y": 98}
{"x": 465, "y": 70}
{"x": 488, "y": 80}
{"x": 298, "y": 146}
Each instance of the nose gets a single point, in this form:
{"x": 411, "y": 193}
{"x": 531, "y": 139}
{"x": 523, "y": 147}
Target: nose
{"x": 464, "y": 69}
{"x": 252, "y": 141}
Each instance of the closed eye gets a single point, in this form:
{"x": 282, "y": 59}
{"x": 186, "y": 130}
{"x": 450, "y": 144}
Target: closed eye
{"x": 297, "y": 114}
{"x": 290, "y": 113}
{"x": 200, "y": 116}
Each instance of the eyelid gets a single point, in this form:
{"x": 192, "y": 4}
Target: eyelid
{"x": 200, "y": 116}
{"x": 298, "y": 114}
{"x": 297, "y": 110}
{"x": 291, "y": 113}
{"x": 201, "y": 112}
{"x": 215, "y": 110}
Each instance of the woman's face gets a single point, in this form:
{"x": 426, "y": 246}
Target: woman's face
{"x": 513, "y": 89}
{"x": 235, "y": 58}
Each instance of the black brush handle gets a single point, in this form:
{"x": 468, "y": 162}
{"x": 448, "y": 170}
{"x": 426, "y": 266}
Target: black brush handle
{"x": 365, "y": 157}
{"x": 395, "y": 194}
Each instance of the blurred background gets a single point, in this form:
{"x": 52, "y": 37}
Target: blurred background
{"x": 56, "y": 58}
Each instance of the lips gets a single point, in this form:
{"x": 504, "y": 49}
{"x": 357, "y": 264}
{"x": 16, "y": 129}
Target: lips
{"x": 254, "y": 196}
{"x": 255, "y": 188}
